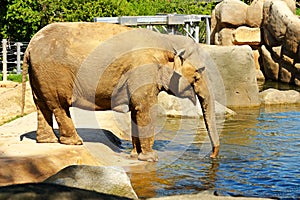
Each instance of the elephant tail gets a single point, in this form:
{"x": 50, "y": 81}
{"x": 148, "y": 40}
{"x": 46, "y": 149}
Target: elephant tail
{"x": 25, "y": 65}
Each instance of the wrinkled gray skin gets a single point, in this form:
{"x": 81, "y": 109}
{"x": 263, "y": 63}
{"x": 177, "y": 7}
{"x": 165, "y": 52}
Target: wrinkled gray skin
{"x": 98, "y": 66}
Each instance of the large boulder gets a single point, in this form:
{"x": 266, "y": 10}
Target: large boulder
{"x": 271, "y": 68}
{"x": 292, "y": 41}
{"x": 274, "y": 96}
{"x": 254, "y": 14}
{"x": 244, "y": 35}
{"x": 232, "y": 12}
{"x": 224, "y": 37}
{"x": 277, "y": 15}
{"x": 107, "y": 180}
{"x": 237, "y": 68}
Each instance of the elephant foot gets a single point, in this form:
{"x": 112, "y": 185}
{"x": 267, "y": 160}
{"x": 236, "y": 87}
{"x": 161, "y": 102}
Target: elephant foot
{"x": 149, "y": 156}
{"x": 215, "y": 152}
{"x": 134, "y": 154}
{"x": 50, "y": 138}
{"x": 75, "y": 140}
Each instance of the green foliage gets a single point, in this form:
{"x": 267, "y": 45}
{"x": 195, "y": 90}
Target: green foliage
{"x": 10, "y": 120}
{"x": 298, "y": 11}
{"x": 13, "y": 77}
{"x": 21, "y": 19}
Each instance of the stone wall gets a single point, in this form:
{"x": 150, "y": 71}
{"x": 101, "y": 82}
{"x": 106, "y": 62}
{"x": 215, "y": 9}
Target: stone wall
{"x": 269, "y": 27}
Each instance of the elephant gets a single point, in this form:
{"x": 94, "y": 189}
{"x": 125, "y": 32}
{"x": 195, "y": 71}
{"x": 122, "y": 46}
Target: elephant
{"x": 101, "y": 66}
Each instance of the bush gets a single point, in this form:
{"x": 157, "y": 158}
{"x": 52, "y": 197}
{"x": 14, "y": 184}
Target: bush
{"x": 13, "y": 77}
{"x": 21, "y": 19}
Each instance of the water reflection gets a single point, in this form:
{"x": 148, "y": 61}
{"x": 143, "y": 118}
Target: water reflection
{"x": 259, "y": 157}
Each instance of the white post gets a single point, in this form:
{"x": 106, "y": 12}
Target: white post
{"x": 207, "y": 30}
{"x": 19, "y": 44}
{"x": 187, "y": 29}
{"x": 4, "y": 59}
{"x": 197, "y": 29}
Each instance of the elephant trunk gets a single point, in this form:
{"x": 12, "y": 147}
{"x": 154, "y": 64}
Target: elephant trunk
{"x": 206, "y": 99}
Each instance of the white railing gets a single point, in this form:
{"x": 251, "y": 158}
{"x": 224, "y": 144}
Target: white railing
{"x": 194, "y": 26}
{"x": 12, "y": 55}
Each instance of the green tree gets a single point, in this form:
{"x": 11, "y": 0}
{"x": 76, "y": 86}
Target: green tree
{"x": 3, "y": 10}
{"x": 21, "y": 19}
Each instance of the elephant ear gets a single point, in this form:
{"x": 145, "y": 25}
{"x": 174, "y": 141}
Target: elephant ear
{"x": 178, "y": 59}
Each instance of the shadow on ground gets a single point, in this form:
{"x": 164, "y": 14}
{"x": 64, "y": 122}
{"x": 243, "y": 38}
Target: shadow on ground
{"x": 103, "y": 136}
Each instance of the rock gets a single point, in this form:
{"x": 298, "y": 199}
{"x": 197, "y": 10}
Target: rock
{"x": 213, "y": 26}
{"x": 107, "y": 180}
{"x": 256, "y": 57}
{"x": 51, "y": 191}
{"x": 285, "y": 75}
{"x": 245, "y": 35}
{"x": 26, "y": 161}
{"x": 278, "y": 66}
{"x": 260, "y": 79}
{"x": 254, "y": 14}
{"x": 277, "y": 16}
{"x": 272, "y": 23}
{"x": 237, "y": 68}
{"x": 274, "y": 96}
{"x": 292, "y": 41}
{"x": 224, "y": 37}
{"x": 280, "y": 55}
{"x": 271, "y": 68}
{"x": 232, "y": 12}
{"x": 268, "y": 38}
{"x": 297, "y": 81}
{"x": 177, "y": 107}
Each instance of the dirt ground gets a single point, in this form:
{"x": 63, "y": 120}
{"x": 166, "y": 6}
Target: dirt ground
{"x": 10, "y": 101}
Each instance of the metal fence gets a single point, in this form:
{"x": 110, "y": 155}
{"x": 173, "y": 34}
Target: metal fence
{"x": 12, "y": 56}
{"x": 194, "y": 26}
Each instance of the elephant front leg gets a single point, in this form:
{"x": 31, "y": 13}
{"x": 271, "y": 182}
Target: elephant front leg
{"x": 44, "y": 133}
{"x": 143, "y": 134}
{"x": 68, "y": 133}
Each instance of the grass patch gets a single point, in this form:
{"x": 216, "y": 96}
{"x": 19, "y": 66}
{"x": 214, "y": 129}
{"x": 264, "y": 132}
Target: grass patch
{"x": 13, "y": 77}
{"x": 12, "y": 119}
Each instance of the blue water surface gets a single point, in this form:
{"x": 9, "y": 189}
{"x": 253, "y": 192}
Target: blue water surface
{"x": 259, "y": 157}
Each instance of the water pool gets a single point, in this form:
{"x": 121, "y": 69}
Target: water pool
{"x": 259, "y": 157}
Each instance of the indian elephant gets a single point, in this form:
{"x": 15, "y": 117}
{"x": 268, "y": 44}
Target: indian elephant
{"x": 99, "y": 66}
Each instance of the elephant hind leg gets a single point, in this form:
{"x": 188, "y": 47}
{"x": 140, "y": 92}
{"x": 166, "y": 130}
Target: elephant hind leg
{"x": 44, "y": 133}
{"x": 68, "y": 133}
